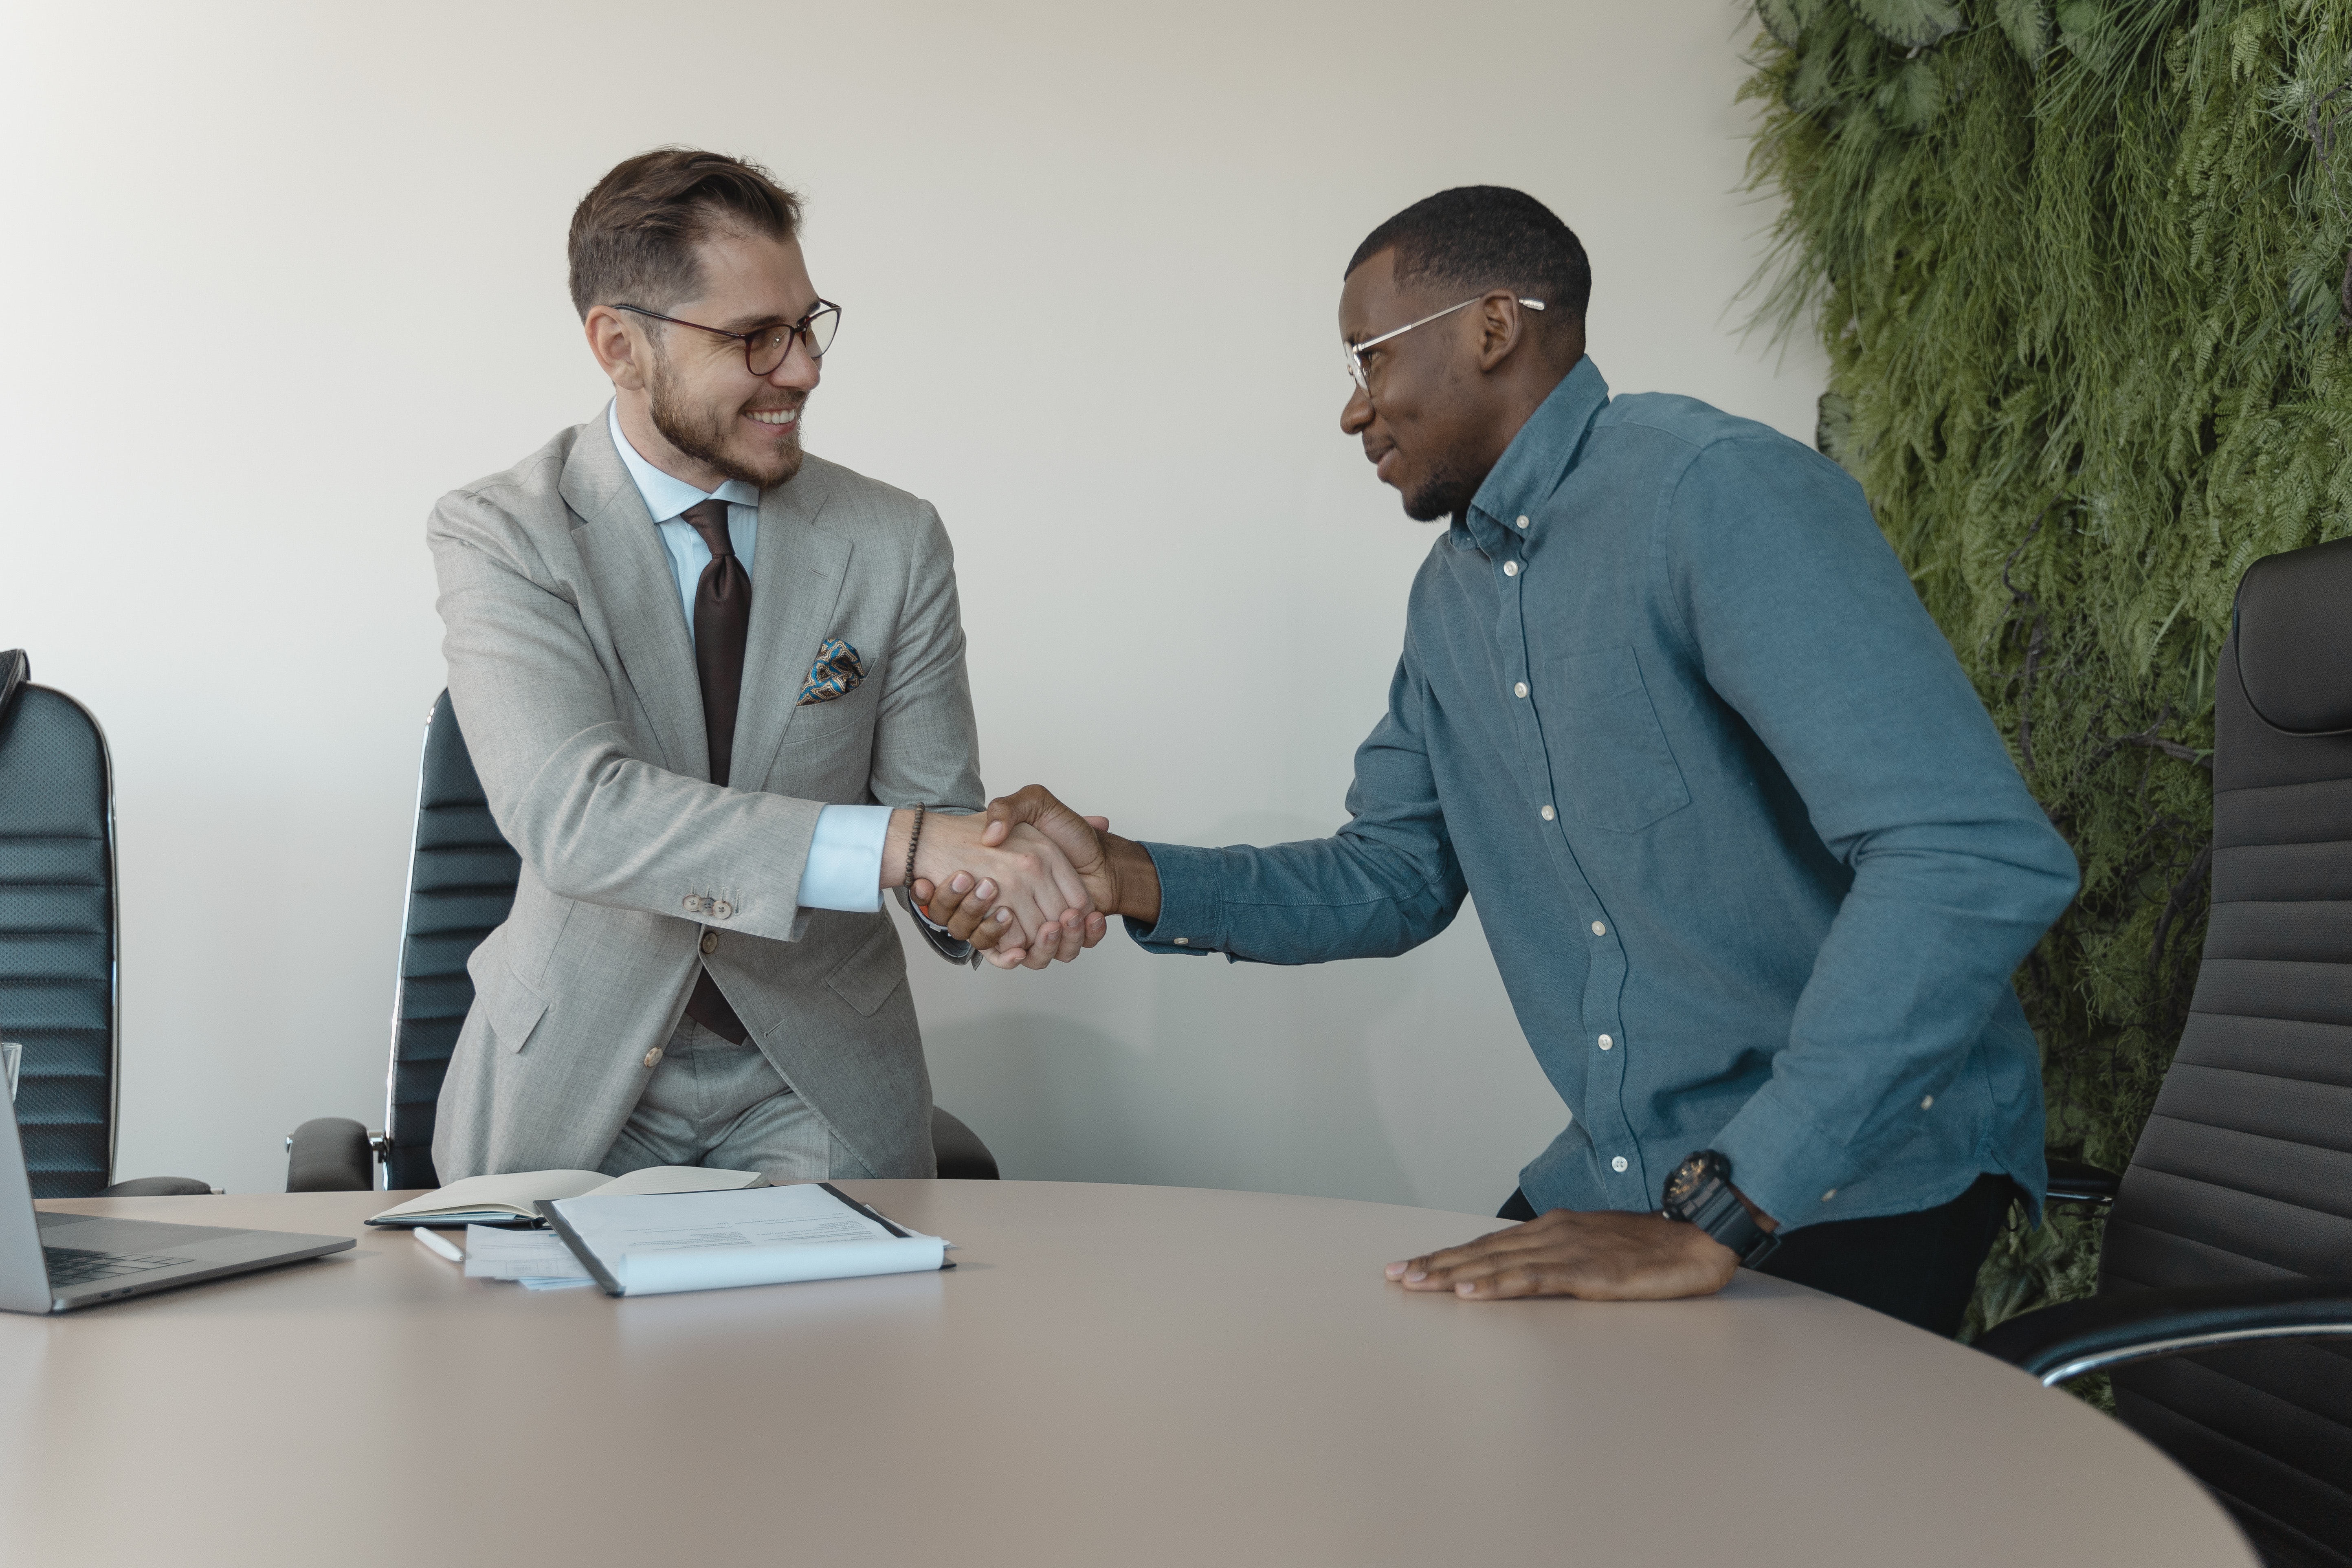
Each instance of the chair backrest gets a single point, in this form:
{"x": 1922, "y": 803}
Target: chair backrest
{"x": 2244, "y": 1172}
{"x": 461, "y": 883}
{"x": 57, "y": 930}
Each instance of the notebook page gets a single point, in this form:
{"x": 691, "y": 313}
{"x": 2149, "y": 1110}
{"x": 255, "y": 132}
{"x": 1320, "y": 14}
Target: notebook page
{"x": 676, "y": 1179}
{"x": 517, "y": 1190}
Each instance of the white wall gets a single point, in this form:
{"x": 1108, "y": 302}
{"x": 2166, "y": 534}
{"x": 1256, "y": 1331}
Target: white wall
{"x": 276, "y": 277}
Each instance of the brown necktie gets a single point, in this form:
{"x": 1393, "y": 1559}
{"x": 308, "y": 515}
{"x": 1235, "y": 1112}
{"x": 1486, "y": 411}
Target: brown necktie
{"x": 722, "y": 624}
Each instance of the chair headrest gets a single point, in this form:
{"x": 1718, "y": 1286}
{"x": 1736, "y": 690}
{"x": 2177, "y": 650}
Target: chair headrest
{"x": 16, "y": 670}
{"x": 2294, "y": 638}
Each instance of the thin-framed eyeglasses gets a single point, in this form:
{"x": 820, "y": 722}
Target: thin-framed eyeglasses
{"x": 767, "y": 348}
{"x": 1355, "y": 351}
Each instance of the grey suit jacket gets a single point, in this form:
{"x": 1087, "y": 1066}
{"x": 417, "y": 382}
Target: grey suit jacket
{"x": 572, "y": 675}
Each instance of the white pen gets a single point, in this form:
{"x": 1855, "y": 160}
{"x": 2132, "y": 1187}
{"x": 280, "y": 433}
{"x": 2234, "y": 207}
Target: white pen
{"x": 433, "y": 1241}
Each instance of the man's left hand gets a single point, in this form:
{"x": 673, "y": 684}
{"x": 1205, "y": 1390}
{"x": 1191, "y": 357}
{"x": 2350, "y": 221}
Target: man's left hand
{"x": 1608, "y": 1256}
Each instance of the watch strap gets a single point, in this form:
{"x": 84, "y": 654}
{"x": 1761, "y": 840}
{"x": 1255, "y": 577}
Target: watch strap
{"x": 1716, "y": 1210}
{"x": 1737, "y": 1230}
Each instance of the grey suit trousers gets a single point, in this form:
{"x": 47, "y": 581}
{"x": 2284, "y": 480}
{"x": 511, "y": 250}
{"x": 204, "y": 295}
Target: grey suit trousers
{"x": 713, "y": 1102}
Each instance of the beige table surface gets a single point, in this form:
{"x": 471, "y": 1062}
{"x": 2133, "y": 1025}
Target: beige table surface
{"x": 1114, "y": 1376}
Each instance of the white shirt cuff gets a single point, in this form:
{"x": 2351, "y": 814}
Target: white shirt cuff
{"x": 844, "y": 862}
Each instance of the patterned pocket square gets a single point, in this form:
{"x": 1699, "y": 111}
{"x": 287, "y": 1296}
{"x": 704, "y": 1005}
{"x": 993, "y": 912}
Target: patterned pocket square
{"x": 836, "y": 673}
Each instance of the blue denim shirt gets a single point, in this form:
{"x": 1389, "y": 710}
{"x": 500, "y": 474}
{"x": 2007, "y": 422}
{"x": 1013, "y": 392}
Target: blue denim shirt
{"x": 1753, "y": 862}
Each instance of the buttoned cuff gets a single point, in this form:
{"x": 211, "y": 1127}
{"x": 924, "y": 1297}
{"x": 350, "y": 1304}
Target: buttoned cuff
{"x": 1191, "y": 907}
{"x": 845, "y": 859}
{"x": 1781, "y": 1162}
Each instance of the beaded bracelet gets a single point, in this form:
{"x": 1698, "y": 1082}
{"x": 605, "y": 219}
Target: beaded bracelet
{"x": 913, "y": 839}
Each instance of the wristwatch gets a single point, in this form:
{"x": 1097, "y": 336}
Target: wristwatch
{"x": 1699, "y": 1191}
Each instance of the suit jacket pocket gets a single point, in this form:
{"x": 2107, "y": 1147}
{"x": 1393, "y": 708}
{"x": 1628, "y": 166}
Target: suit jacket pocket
{"x": 513, "y": 1009}
{"x": 873, "y": 970}
{"x": 822, "y": 723}
{"x": 1611, "y": 763}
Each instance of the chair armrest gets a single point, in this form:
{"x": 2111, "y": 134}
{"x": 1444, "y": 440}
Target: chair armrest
{"x": 962, "y": 1156}
{"x": 2066, "y": 1340}
{"x": 156, "y": 1187}
{"x": 2073, "y": 1182}
{"x": 330, "y": 1154}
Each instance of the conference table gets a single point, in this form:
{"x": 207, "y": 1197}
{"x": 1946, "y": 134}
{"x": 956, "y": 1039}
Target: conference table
{"x": 1111, "y": 1375}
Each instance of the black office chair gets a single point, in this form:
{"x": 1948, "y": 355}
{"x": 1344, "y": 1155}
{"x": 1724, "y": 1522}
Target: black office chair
{"x": 57, "y": 939}
{"x": 2225, "y": 1286}
{"x": 461, "y": 883}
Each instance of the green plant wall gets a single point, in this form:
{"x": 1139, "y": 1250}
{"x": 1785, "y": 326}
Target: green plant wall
{"x": 2081, "y": 271}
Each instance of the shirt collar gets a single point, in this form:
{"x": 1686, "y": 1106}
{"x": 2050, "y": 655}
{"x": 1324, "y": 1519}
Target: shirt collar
{"x": 666, "y": 496}
{"x": 1536, "y": 461}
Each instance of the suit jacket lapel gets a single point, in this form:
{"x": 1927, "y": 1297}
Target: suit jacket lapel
{"x": 797, "y": 573}
{"x": 638, "y": 593}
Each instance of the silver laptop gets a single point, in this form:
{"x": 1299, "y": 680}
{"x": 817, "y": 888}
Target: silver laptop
{"x": 56, "y": 1262}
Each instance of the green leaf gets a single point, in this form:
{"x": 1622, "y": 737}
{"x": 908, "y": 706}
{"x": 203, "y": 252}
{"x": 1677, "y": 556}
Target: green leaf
{"x": 2082, "y": 29}
{"x": 1911, "y": 24}
{"x": 1834, "y": 429}
{"x": 1779, "y": 19}
{"x": 1787, "y": 20}
{"x": 2027, "y": 23}
{"x": 1914, "y": 97}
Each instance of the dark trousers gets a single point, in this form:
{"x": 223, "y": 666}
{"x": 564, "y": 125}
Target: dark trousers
{"x": 1920, "y": 1268}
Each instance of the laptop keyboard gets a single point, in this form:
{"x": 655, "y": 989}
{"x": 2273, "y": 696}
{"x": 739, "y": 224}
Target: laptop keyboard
{"x": 79, "y": 1266}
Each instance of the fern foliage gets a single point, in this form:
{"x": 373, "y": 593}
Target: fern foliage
{"x": 2081, "y": 270}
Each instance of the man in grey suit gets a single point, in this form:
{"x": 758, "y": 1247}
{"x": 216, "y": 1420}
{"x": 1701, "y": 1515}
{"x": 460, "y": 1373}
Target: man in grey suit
{"x": 714, "y": 691}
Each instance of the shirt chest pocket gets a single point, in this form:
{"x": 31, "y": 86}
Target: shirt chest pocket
{"x": 1611, "y": 763}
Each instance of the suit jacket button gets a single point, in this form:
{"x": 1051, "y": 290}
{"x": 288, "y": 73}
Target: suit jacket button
{"x": 653, "y": 1056}
{"x": 710, "y": 942}
{"x": 722, "y": 908}
{"x": 693, "y": 904}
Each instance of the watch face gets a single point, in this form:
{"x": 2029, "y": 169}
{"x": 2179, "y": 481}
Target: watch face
{"x": 1687, "y": 1177}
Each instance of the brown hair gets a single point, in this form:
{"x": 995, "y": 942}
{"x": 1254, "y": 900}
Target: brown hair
{"x": 633, "y": 235}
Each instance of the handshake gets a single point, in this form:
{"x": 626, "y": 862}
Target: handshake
{"x": 1027, "y": 883}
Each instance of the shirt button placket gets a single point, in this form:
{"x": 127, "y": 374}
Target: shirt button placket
{"x": 1608, "y": 1066}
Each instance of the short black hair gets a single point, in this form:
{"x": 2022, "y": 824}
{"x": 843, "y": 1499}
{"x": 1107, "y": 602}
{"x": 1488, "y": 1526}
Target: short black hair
{"x": 1487, "y": 236}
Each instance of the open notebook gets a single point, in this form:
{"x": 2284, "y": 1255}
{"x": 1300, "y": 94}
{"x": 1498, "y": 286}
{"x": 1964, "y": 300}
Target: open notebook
{"x": 511, "y": 1199}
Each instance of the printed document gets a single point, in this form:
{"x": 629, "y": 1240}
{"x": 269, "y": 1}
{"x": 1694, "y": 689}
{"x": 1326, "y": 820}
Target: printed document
{"x": 649, "y": 1245}
{"x": 524, "y": 1255}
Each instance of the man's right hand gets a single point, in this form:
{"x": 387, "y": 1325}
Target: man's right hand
{"x": 1117, "y": 873}
{"x": 1046, "y": 901}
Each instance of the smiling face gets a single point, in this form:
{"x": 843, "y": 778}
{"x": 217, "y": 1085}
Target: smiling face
{"x": 1444, "y": 399}
{"x": 690, "y": 402}
{"x": 1417, "y": 424}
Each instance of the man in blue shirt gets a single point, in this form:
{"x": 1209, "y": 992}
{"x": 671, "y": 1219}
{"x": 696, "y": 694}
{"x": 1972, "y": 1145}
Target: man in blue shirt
{"x": 1753, "y": 862}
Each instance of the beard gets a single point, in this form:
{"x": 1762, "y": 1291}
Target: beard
{"x": 1446, "y": 492}
{"x": 701, "y": 432}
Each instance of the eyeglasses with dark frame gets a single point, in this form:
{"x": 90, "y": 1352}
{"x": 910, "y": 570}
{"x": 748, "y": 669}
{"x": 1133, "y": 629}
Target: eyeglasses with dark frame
{"x": 771, "y": 343}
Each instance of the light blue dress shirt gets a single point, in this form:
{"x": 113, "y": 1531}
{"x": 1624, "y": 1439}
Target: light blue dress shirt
{"x": 844, "y": 863}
